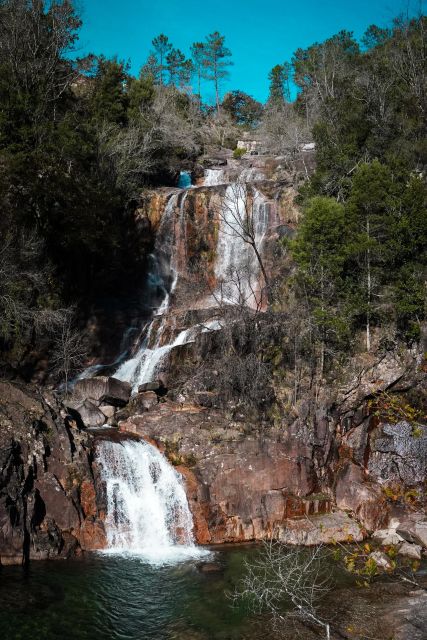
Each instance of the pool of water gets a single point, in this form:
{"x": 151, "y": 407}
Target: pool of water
{"x": 121, "y": 597}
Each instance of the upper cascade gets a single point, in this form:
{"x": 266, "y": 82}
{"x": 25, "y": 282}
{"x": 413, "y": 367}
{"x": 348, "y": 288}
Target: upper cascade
{"x": 208, "y": 253}
{"x": 184, "y": 181}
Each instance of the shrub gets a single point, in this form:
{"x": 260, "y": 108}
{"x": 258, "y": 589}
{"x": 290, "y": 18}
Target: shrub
{"x": 238, "y": 153}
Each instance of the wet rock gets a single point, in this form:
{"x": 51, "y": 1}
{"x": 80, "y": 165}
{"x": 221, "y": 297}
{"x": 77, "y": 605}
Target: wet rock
{"x": 409, "y": 550}
{"x": 103, "y": 390}
{"x": 90, "y": 414}
{"x": 241, "y": 487}
{"x": 92, "y": 535}
{"x": 46, "y": 482}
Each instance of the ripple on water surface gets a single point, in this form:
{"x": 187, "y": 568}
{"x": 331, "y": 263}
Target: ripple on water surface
{"x": 123, "y": 597}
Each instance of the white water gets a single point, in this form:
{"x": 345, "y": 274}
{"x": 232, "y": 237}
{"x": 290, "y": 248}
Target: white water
{"x": 214, "y": 177}
{"x": 236, "y": 268}
{"x": 147, "y": 508}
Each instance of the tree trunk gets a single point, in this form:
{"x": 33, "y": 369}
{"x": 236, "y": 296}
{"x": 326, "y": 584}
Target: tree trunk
{"x": 369, "y": 286}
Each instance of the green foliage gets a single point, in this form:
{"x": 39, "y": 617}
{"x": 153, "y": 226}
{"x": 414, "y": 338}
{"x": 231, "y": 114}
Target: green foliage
{"x": 320, "y": 251}
{"x": 394, "y": 408}
{"x": 63, "y": 221}
{"x": 238, "y": 153}
{"x": 110, "y": 99}
{"x": 243, "y": 109}
{"x": 216, "y": 60}
{"x": 279, "y": 78}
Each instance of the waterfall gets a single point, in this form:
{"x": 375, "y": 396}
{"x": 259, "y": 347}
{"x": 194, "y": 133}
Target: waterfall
{"x": 214, "y": 177}
{"x": 184, "y": 181}
{"x": 145, "y": 364}
{"x": 236, "y": 267}
{"x": 147, "y": 508}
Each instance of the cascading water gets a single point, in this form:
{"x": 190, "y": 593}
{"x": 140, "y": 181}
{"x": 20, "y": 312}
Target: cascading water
{"x": 214, "y": 177}
{"x": 236, "y": 266}
{"x": 147, "y": 508}
{"x": 184, "y": 181}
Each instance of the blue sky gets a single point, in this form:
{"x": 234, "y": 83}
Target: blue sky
{"x": 260, "y": 33}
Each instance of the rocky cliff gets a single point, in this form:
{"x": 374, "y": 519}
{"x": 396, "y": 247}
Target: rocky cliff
{"x": 48, "y": 506}
{"x": 339, "y": 464}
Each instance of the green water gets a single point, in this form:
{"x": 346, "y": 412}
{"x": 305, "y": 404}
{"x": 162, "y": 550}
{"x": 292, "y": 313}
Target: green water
{"x": 107, "y": 597}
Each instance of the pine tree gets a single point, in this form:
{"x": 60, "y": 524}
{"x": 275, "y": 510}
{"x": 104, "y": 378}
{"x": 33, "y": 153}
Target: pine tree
{"x": 198, "y": 57}
{"x": 320, "y": 253}
{"x": 279, "y": 83}
{"x": 175, "y": 61}
{"x": 162, "y": 48}
{"x": 216, "y": 61}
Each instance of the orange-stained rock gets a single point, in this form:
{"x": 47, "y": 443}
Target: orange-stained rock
{"x": 198, "y": 507}
{"x": 354, "y": 492}
{"x": 92, "y": 535}
{"x": 88, "y": 498}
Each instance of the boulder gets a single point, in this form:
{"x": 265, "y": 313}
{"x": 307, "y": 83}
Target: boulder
{"x": 103, "y": 390}
{"x": 144, "y": 401}
{"x": 381, "y": 560}
{"x": 324, "y": 529}
{"x": 409, "y": 550}
{"x": 90, "y": 414}
{"x": 149, "y": 386}
{"x": 108, "y": 410}
{"x": 414, "y": 529}
{"x": 387, "y": 537}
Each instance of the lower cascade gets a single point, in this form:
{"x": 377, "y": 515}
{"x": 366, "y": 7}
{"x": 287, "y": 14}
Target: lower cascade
{"x": 147, "y": 508}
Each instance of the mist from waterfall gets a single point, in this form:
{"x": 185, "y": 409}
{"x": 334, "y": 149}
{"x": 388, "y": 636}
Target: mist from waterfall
{"x": 147, "y": 508}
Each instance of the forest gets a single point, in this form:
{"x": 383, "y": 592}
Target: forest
{"x": 213, "y": 334}
{"x": 81, "y": 138}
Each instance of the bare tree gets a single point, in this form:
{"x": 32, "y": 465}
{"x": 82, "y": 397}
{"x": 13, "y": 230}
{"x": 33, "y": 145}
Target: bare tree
{"x": 284, "y": 132}
{"x": 131, "y": 154}
{"x": 127, "y": 153}
{"x": 21, "y": 274}
{"x": 410, "y": 59}
{"x": 34, "y": 38}
{"x": 69, "y": 353}
{"x": 281, "y": 575}
{"x": 218, "y": 129}
{"x": 244, "y": 215}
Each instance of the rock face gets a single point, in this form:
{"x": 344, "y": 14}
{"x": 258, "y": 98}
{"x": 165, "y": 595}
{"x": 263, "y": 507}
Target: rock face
{"x": 327, "y": 486}
{"x": 102, "y": 390}
{"x": 48, "y": 503}
{"x": 330, "y": 471}
{"x": 243, "y": 488}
